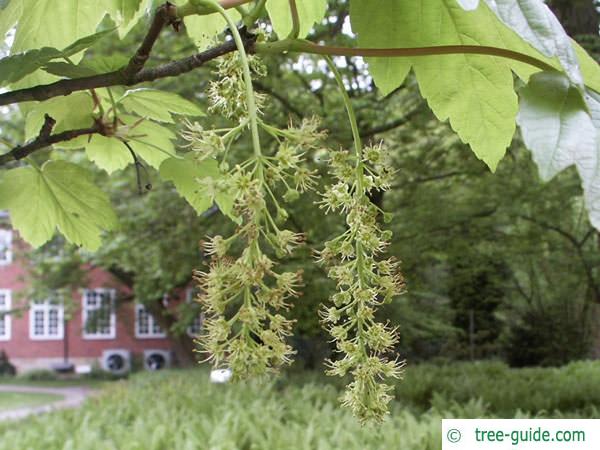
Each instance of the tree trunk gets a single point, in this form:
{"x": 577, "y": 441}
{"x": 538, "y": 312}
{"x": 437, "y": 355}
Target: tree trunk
{"x": 579, "y": 17}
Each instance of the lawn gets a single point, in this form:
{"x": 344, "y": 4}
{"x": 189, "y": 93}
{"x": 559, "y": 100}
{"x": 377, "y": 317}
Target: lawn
{"x": 182, "y": 410}
{"x": 14, "y": 400}
{"x": 57, "y": 383}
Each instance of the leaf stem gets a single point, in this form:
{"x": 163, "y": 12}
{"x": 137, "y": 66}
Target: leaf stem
{"x": 295, "y": 20}
{"x": 303, "y": 46}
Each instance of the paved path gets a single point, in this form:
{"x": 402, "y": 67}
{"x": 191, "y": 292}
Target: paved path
{"x": 72, "y": 398}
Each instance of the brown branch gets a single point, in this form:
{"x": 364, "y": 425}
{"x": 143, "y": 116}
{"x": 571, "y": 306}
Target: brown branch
{"x": 391, "y": 125}
{"x": 65, "y": 87}
{"x": 165, "y": 15}
{"x": 46, "y": 139}
{"x": 119, "y": 77}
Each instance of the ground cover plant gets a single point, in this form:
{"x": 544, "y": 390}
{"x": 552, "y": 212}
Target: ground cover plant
{"x": 299, "y": 411}
{"x": 501, "y": 67}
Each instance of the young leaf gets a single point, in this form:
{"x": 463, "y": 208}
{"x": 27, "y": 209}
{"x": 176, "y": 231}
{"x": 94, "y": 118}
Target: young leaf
{"x": 85, "y": 42}
{"x": 309, "y": 13}
{"x": 203, "y": 29}
{"x": 59, "y": 195}
{"x": 554, "y": 123}
{"x": 15, "y": 67}
{"x": 197, "y": 182}
{"x": 56, "y": 24}
{"x": 185, "y": 173}
{"x": 63, "y": 69}
{"x": 108, "y": 153}
{"x": 158, "y": 105}
{"x": 149, "y": 140}
{"x": 124, "y": 11}
{"x": 71, "y": 112}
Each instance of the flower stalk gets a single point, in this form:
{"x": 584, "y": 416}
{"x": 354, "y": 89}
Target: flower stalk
{"x": 364, "y": 281}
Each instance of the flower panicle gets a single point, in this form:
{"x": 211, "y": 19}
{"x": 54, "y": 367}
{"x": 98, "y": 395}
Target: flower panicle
{"x": 364, "y": 281}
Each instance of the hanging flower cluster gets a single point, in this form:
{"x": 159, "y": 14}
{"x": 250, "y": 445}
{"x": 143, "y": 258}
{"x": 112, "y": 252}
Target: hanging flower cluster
{"x": 364, "y": 282}
{"x": 243, "y": 293}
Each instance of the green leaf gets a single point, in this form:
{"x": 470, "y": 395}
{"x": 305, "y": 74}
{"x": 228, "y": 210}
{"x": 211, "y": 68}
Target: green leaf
{"x": 9, "y": 16}
{"x": 103, "y": 64}
{"x": 59, "y": 195}
{"x": 198, "y": 183}
{"x": 15, "y": 67}
{"x": 474, "y": 92}
{"x": 185, "y": 173}
{"x": 589, "y": 68}
{"x": 108, "y": 153}
{"x": 63, "y": 69}
{"x": 56, "y": 24}
{"x": 536, "y": 24}
{"x": 85, "y": 42}
{"x": 124, "y": 11}
{"x": 555, "y": 124}
{"x": 588, "y": 165}
{"x": 149, "y": 140}
{"x": 204, "y": 29}
{"x": 562, "y": 129}
{"x": 158, "y": 105}
{"x": 309, "y": 12}
{"x": 71, "y": 112}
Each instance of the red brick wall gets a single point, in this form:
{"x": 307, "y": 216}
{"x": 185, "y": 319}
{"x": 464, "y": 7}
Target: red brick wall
{"x": 22, "y": 347}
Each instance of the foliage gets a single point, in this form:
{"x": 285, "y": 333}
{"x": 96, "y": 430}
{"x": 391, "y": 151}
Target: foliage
{"x": 300, "y": 412}
{"x": 479, "y": 47}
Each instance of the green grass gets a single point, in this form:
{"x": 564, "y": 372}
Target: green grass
{"x": 15, "y": 400}
{"x": 84, "y": 382}
{"x": 182, "y": 410}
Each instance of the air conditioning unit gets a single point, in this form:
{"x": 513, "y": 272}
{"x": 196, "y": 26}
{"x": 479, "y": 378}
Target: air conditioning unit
{"x": 157, "y": 359}
{"x": 117, "y": 361}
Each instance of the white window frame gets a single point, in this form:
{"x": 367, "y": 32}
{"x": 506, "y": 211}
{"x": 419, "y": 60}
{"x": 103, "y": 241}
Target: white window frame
{"x": 45, "y": 307}
{"x": 85, "y": 311}
{"x": 6, "y": 237}
{"x": 189, "y": 294}
{"x": 7, "y": 318}
{"x": 139, "y": 307}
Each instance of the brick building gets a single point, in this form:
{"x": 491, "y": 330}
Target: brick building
{"x": 38, "y": 337}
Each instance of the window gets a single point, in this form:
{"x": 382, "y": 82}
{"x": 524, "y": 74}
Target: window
{"x": 146, "y": 326}
{"x": 46, "y": 320}
{"x": 99, "y": 321}
{"x": 5, "y": 247}
{"x": 195, "y": 327}
{"x": 5, "y": 319}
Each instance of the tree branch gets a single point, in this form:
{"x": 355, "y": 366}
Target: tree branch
{"x": 46, "y": 139}
{"x": 165, "y": 15}
{"x": 133, "y": 73}
{"x": 391, "y": 125}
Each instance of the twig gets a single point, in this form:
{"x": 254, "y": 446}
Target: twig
{"x": 165, "y": 15}
{"x": 119, "y": 77}
{"x": 46, "y": 139}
